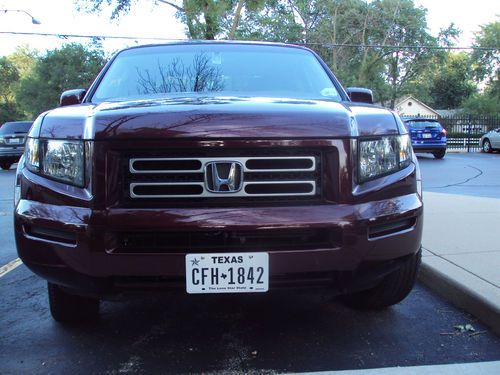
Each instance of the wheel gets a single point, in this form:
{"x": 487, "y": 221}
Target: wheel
{"x": 439, "y": 154}
{"x": 487, "y": 146}
{"x": 66, "y": 307}
{"x": 392, "y": 289}
{"x": 5, "y": 165}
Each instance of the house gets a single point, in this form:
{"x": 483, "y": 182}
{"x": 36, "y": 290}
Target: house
{"x": 448, "y": 112}
{"x": 410, "y": 106}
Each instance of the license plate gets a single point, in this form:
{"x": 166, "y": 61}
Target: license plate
{"x": 13, "y": 140}
{"x": 227, "y": 273}
{"x": 427, "y": 135}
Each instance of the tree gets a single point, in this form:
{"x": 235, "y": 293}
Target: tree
{"x": 486, "y": 64}
{"x": 452, "y": 82}
{"x": 343, "y": 22}
{"x": 23, "y": 58}
{"x": 400, "y": 23}
{"x": 483, "y": 104}
{"x": 12, "y": 69}
{"x": 275, "y": 22}
{"x": 8, "y": 76}
{"x": 486, "y": 57}
{"x": 204, "y": 19}
{"x": 486, "y": 103}
{"x": 72, "y": 66}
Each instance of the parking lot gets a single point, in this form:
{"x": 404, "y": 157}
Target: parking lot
{"x": 474, "y": 174}
{"x": 290, "y": 332}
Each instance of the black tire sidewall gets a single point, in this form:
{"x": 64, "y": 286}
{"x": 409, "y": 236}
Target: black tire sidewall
{"x": 391, "y": 290}
{"x": 66, "y": 307}
{"x": 5, "y": 165}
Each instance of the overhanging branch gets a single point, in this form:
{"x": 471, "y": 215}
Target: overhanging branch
{"x": 179, "y": 8}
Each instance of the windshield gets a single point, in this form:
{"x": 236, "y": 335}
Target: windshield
{"x": 15, "y": 127}
{"x": 208, "y": 69}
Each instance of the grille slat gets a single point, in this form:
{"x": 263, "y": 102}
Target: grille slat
{"x": 227, "y": 241}
{"x": 185, "y": 177}
{"x": 250, "y": 164}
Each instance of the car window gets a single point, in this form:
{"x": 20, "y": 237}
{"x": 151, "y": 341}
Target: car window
{"x": 15, "y": 127}
{"x": 424, "y": 124}
{"x": 239, "y": 70}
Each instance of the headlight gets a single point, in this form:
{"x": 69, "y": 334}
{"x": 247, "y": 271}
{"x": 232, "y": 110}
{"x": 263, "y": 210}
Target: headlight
{"x": 57, "y": 159}
{"x": 383, "y": 156}
{"x": 63, "y": 160}
{"x": 32, "y": 154}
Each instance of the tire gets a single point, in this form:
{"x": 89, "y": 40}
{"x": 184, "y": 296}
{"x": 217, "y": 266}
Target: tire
{"x": 487, "y": 146}
{"x": 66, "y": 307}
{"x": 439, "y": 154}
{"x": 5, "y": 165}
{"x": 391, "y": 290}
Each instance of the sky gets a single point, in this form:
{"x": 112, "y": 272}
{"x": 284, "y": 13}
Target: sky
{"x": 468, "y": 16}
{"x": 158, "y": 21}
{"x": 61, "y": 17}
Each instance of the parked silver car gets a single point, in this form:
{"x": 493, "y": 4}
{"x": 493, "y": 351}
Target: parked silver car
{"x": 491, "y": 140}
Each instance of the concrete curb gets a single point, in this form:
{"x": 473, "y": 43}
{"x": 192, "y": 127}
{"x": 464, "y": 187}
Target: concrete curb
{"x": 457, "y": 286}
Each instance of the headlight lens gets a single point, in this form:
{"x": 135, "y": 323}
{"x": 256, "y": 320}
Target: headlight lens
{"x": 405, "y": 150}
{"x": 63, "y": 160}
{"x": 32, "y": 154}
{"x": 57, "y": 159}
{"x": 382, "y": 156}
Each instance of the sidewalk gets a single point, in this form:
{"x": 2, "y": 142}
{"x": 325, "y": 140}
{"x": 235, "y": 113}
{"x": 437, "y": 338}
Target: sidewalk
{"x": 477, "y": 368}
{"x": 461, "y": 253}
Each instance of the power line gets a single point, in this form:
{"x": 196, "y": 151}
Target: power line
{"x": 381, "y": 46}
{"x": 66, "y": 36}
{"x": 327, "y": 45}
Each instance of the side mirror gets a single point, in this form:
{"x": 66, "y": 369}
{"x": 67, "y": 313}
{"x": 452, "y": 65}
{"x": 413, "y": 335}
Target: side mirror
{"x": 361, "y": 95}
{"x": 71, "y": 97}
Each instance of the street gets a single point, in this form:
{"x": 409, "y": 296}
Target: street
{"x": 475, "y": 174}
{"x": 280, "y": 332}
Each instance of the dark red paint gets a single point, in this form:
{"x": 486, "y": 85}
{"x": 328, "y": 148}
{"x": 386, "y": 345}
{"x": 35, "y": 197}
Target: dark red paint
{"x": 93, "y": 215}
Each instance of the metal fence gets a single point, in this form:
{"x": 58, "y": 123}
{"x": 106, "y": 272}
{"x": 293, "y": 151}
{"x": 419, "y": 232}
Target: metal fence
{"x": 464, "y": 132}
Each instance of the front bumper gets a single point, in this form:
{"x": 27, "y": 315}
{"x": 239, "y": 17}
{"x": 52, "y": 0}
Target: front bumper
{"x": 73, "y": 246}
{"x": 11, "y": 153}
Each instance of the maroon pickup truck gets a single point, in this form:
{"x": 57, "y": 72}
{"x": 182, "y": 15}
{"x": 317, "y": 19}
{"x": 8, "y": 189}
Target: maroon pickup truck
{"x": 218, "y": 167}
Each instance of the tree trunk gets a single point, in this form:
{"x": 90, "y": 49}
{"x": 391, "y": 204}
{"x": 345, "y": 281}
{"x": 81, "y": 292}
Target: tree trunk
{"x": 334, "y": 40}
{"x": 211, "y": 26}
{"x": 394, "y": 80}
{"x": 236, "y": 19}
{"x": 362, "y": 77}
{"x": 189, "y": 20}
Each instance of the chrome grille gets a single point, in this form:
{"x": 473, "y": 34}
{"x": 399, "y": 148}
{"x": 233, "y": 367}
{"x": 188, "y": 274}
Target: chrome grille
{"x": 272, "y": 176}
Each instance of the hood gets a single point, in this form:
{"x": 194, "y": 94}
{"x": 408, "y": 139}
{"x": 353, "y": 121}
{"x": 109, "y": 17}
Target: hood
{"x": 217, "y": 118}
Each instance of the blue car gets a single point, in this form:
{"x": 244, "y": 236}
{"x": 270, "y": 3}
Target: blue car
{"x": 427, "y": 136}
